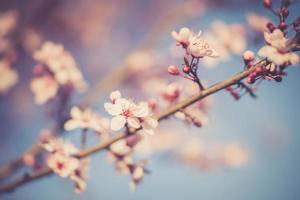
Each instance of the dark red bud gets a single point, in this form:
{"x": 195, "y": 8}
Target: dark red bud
{"x": 282, "y": 26}
{"x": 271, "y": 26}
{"x": 250, "y": 80}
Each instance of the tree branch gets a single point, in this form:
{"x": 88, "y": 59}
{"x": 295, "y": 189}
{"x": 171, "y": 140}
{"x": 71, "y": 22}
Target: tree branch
{"x": 162, "y": 115}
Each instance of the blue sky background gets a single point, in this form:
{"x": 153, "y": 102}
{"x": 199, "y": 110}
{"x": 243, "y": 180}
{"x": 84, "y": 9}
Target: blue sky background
{"x": 272, "y": 174}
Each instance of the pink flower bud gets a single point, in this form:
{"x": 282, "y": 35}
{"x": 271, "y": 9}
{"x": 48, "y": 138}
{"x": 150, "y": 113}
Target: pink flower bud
{"x": 173, "y": 70}
{"x": 186, "y": 69}
{"x": 268, "y": 3}
{"x": 259, "y": 70}
{"x": 248, "y": 56}
{"x": 250, "y": 80}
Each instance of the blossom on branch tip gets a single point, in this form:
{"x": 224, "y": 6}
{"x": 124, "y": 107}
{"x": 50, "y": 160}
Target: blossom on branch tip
{"x": 277, "y": 50}
{"x": 200, "y": 48}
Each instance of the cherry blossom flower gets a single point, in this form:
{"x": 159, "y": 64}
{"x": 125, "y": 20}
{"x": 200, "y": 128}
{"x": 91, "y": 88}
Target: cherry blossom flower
{"x": 80, "y": 175}
{"x": 183, "y": 36}
{"x": 277, "y": 50}
{"x": 9, "y": 77}
{"x": 62, "y": 164}
{"x": 86, "y": 119}
{"x": 61, "y": 64}
{"x": 127, "y": 112}
{"x": 199, "y": 47}
{"x": 44, "y": 88}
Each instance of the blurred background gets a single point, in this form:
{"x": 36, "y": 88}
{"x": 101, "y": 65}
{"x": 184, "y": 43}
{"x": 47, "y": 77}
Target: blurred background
{"x": 127, "y": 44}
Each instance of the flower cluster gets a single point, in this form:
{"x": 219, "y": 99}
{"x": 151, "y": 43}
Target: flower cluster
{"x": 63, "y": 162}
{"x": 120, "y": 153}
{"x": 193, "y": 43}
{"x": 86, "y": 119}
{"x": 126, "y": 112}
{"x": 196, "y": 48}
{"x": 277, "y": 50}
{"x": 57, "y": 68}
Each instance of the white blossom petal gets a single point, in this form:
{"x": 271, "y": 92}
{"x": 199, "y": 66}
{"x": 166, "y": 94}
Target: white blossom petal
{"x": 113, "y": 109}
{"x": 141, "y": 110}
{"x": 117, "y": 123}
{"x": 133, "y": 122}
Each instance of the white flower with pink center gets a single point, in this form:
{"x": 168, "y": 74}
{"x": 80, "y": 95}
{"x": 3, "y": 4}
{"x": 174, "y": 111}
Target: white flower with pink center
{"x": 62, "y": 164}
{"x": 61, "y": 63}
{"x": 200, "y": 48}
{"x": 86, "y": 119}
{"x": 277, "y": 50}
{"x": 127, "y": 112}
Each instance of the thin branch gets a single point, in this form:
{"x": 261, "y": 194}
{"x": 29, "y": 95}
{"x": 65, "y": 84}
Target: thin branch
{"x": 162, "y": 115}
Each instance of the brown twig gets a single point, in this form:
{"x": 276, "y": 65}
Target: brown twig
{"x": 162, "y": 115}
